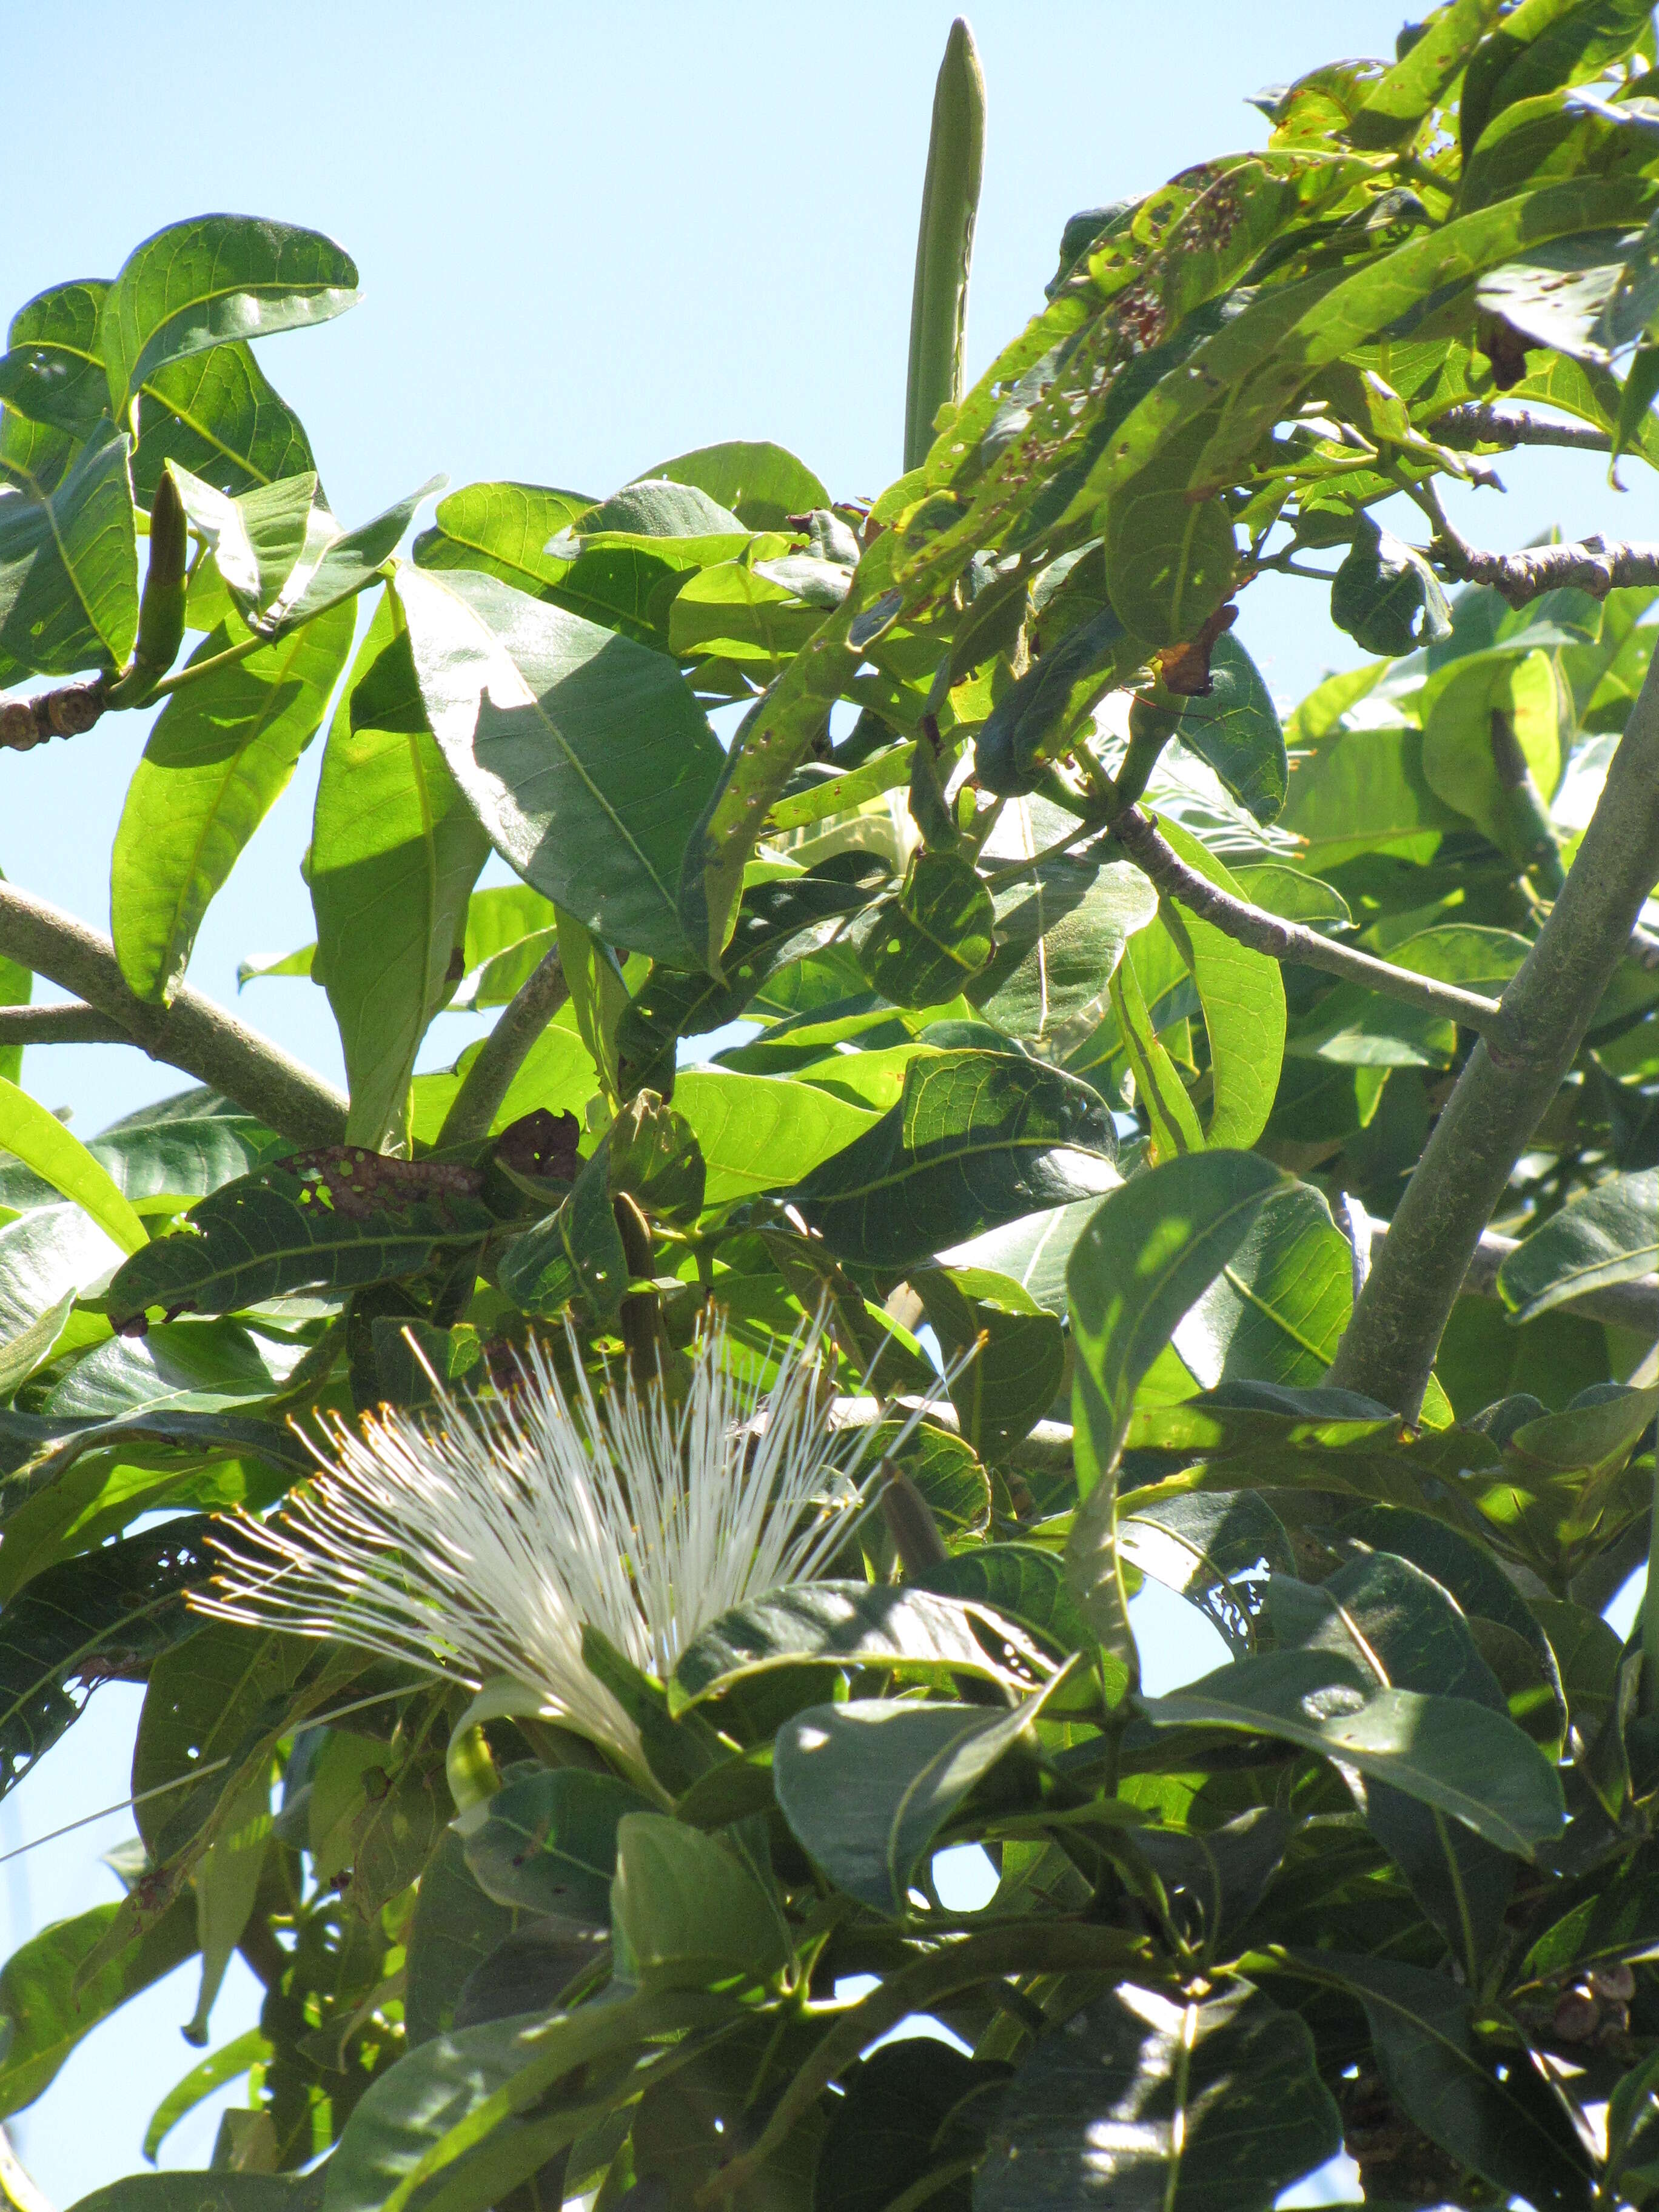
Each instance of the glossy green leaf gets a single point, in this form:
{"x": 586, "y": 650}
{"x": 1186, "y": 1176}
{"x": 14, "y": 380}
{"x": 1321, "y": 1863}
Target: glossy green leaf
{"x": 686, "y": 1910}
{"x": 1202, "y": 1545}
{"x": 181, "y": 1147}
{"x": 1159, "y": 1092}
{"x": 866, "y": 1786}
{"x": 395, "y": 853}
{"x": 1050, "y": 706}
{"x": 217, "y": 759}
{"x": 1458, "y": 756}
{"x": 42, "y": 1143}
{"x": 69, "y": 563}
{"x": 53, "y": 372}
{"x": 1542, "y": 44}
{"x": 762, "y": 485}
{"x": 1362, "y": 792}
{"x": 585, "y": 758}
{"x": 1386, "y": 596}
{"x": 1243, "y": 997}
{"x": 842, "y": 1624}
{"x": 1609, "y": 1235}
{"x": 547, "y": 1843}
{"x": 911, "y": 2108}
{"x": 1018, "y": 1353}
{"x": 1170, "y": 559}
{"x": 454, "y": 1930}
{"x": 1157, "y": 2105}
{"x": 502, "y": 530}
{"x": 934, "y": 938}
{"x": 228, "y": 2064}
{"x": 1060, "y": 931}
{"x": 1276, "y": 1310}
{"x": 219, "y": 279}
{"x": 976, "y": 1138}
{"x": 1470, "y": 1762}
{"x": 759, "y": 1133}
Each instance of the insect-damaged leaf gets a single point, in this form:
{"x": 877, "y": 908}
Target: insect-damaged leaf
{"x": 331, "y": 1219}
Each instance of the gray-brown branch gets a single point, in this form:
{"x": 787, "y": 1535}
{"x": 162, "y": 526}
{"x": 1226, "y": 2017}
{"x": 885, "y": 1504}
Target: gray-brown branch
{"x": 1154, "y": 855}
{"x": 68, "y": 712}
{"x": 1591, "y": 565}
{"x": 71, "y": 1025}
{"x": 489, "y": 1078}
{"x": 193, "y": 1034}
{"x": 1477, "y": 423}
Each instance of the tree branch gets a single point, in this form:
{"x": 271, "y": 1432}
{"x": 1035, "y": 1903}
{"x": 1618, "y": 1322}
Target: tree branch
{"x": 1288, "y": 940}
{"x": 1508, "y": 1081}
{"x": 71, "y": 1025}
{"x": 68, "y": 712}
{"x": 489, "y": 1078}
{"x": 192, "y": 1034}
{"x": 1592, "y": 565}
{"x": 1477, "y": 424}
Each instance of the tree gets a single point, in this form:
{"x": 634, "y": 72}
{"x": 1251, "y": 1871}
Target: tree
{"x": 1279, "y": 1102}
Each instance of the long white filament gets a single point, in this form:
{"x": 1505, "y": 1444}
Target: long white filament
{"x": 478, "y": 1544}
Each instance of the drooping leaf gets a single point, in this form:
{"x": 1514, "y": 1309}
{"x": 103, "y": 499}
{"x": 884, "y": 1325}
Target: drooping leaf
{"x": 685, "y": 1910}
{"x": 1145, "y": 2102}
{"x": 977, "y": 1139}
{"x": 934, "y": 938}
{"x": 585, "y": 758}
{"x": 219, "y": 279}
{"x": 217, "y": 759}
{"x": 1276, "y": 1310}
{"x": 395, "y": 853}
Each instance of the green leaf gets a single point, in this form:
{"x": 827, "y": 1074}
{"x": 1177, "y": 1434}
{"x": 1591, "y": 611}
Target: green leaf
{"x": 976, "y": 1138}
{"x": 686, "y": 1910}
{"x": 1170, "y": 559}
{"x": 1542, "y": 44}
{"x": 866, "y": 1786}
{"x": 227, "y": 2191}
{"x": 54, "y": 372}
{"x": 40, "y": 1141}
{"x": 1242, "y": 994}
{"x": 68, "y": 562}
{"x": 1160, "y": 1094}
{"x": 585, "y": 758}
{"x": 395, "y": 852}
{"x": 1609, "y": 1235}
{"x": 1021, "y": 1581}
{"x": 575, "y": 1253}
{"x": 454, "y": 1929}
{"x": 1474, "y": 1763}
{"x": 219, "y": 279}
{"x": 1156, "y": 2106}
{"x": 1276, "y": 1310}
{"x": 774, "y": 918}
{"x": 1235, "y": 729}
{"x": 762, "y": 485}
{"x": 179, "y": 1147}
{"x": 547, "y": 1843}
{"x": 216, "y": 415}
{"x": 1060, "y": 931}
{"x": 1385, "y": 595}
{"x": 227, "y": 2063}
{"x": 44, "y": 2014}
{"x": 1014, "y": 1375}
{"x": 911, "y": 2108}
{"x": 846, "y": 1624}
{"x": 759, "y": 1133}
{"x": 1365, "y": 791}
{"x": 112, "y": 1613}
{"x": 1612, "y": 1919}
{"x": 733, "y": 612}
{"x": 256, "y": 538}
{"x": 320, "y": 1221}
{"x": 217, "y": 759}
{"x": 1199, "y": 1546}
{"x": 1509, "y": 2127}
{"x": 502, "y": 530}
{"x": 926, "y": 943}
{"x": 1458, "y": 758}
{"x": 1146, "y": 1256}
{"x": 1049, "y": 706}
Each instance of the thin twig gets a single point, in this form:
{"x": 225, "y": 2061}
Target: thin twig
{"x": 72, "y": 1025}
{"x": 1288, "y": 940}
{"x": 489, "y": 1078}
{"x": 1475, "y": 423}
{"x": 193, "y": 1033}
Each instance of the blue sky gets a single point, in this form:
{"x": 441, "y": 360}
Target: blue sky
{"x": 589, "y": 238}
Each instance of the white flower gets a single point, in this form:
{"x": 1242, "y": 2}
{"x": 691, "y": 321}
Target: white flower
{"x": 477, "y": 1545}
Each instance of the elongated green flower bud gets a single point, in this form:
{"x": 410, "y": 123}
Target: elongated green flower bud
{"x": 945, "y": 244}
{"x": 162, "y": 609}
